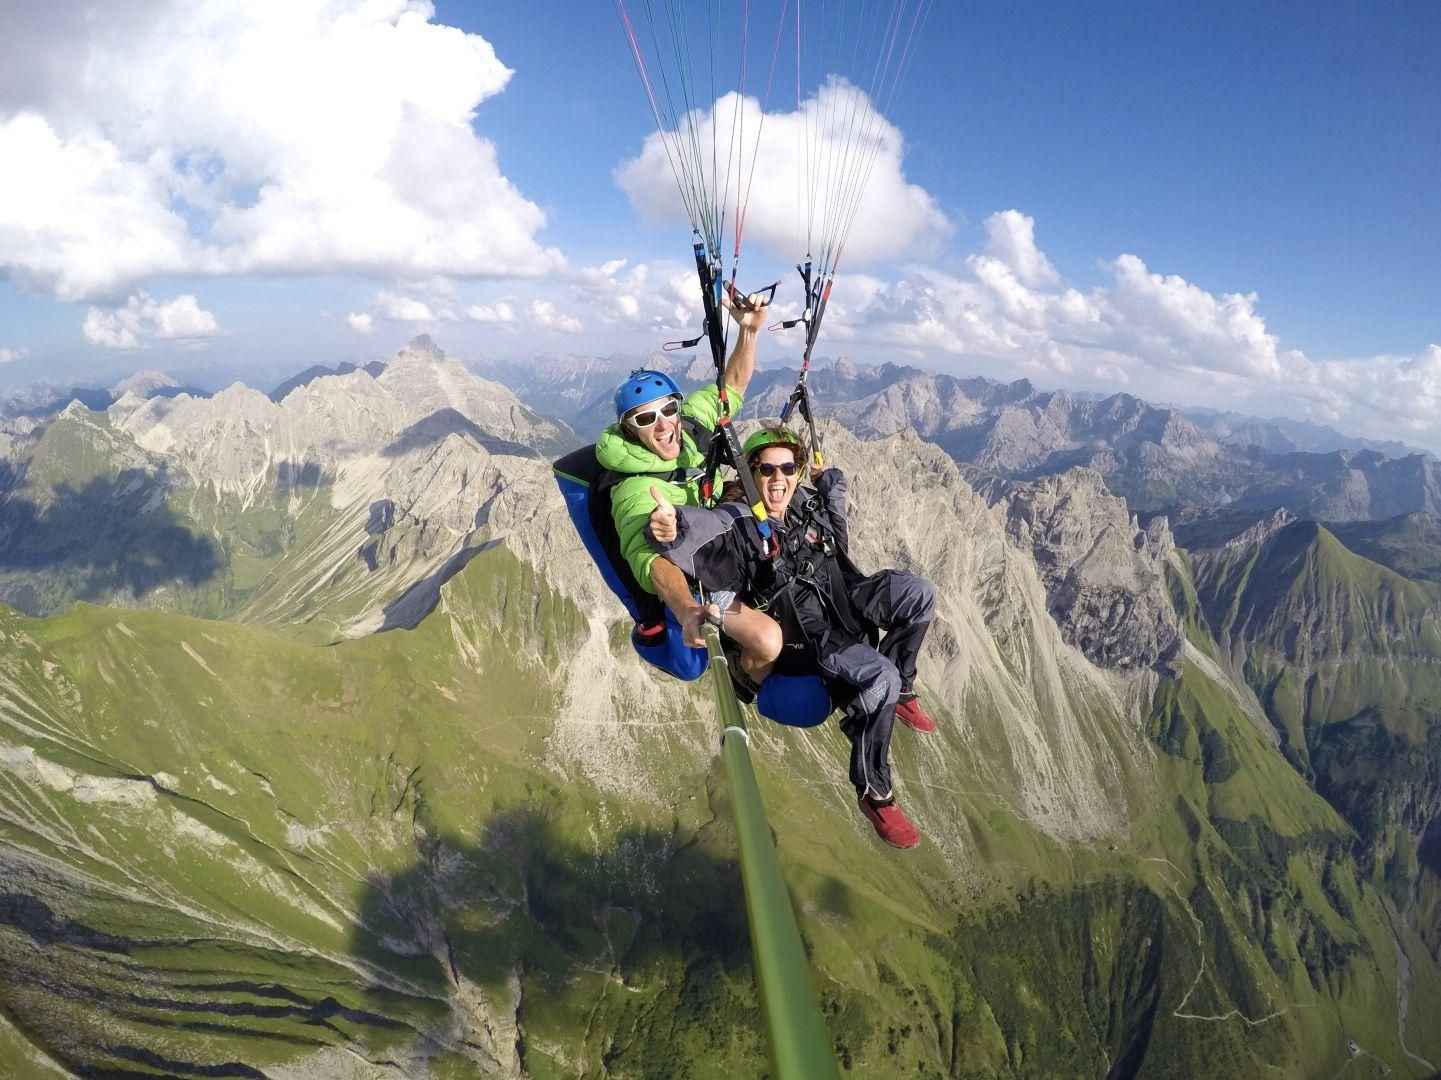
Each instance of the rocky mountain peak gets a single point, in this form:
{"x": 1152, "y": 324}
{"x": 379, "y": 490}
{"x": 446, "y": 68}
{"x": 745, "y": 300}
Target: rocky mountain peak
{"x": 144, "y": 384}
{"x": 1262, "y": 530}
{"x": 420, "y": 349}
{"x": 1104, "y": 575}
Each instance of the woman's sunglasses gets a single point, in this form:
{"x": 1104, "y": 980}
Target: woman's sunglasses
{"x": 768, "y": 469}
{"x": 648, "y": 418}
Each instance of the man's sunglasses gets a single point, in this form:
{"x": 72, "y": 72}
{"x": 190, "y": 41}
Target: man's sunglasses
{"x": 768, "y": 468}
{"x": 641, "y": 420}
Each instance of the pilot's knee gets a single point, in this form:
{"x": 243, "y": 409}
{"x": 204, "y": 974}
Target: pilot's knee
{"x": 920, "y": 597}
{"x": 770, "y": 640}
{"x": 885, "y": 688}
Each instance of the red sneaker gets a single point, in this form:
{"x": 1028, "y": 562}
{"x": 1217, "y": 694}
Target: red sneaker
{"x": 910, "y": 713}
{"x": 891, "y": 822}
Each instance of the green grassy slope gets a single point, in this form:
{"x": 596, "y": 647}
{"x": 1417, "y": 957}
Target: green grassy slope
{"x": 1345, "y": 656}
{"x": 224, "y": 850}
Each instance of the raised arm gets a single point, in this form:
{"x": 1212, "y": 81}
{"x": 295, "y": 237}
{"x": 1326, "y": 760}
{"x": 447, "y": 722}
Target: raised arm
{"x": 742, "y": 363}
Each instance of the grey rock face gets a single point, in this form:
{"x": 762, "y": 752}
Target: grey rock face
{"x": 286, "y": 487}
{"x": 1104, "y": 575}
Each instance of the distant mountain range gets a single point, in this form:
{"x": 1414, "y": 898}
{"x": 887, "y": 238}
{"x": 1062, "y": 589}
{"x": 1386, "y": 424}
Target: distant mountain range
{"x": 1159, "y": 458}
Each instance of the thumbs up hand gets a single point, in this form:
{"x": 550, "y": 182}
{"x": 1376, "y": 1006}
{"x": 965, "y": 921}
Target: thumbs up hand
{"x": 663, "y": 528}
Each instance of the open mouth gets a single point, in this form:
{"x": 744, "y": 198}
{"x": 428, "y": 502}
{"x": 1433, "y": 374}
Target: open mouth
{"x": 665, "y": 438}
{"x": 776, "y": 490}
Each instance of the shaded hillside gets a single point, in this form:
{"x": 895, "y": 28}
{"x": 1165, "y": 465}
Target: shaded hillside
{"x": 1410, "y": 545}
{"x": 1345, "y": 655}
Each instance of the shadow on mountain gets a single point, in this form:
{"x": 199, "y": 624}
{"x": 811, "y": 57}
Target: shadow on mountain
{"x": 406, "y": 611}
{"x": 381, "y": 518}
{"x": 93, "y": 541}
{"x": 93, "y": 398}
{"x": 643, "y": 940}
{"x": 320, "y": 371}
{"x": 439, "y": 425}
{"x": 301, "y": 476}
{"x": 1409, "y": 544}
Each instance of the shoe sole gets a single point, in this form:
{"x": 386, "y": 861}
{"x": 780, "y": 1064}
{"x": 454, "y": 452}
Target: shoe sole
{"x": 923, "y": 730}
{"x": 904, "y": 847}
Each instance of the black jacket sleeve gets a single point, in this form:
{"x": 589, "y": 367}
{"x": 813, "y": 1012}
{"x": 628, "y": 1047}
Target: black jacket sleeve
{"x": 831, "y": 486}
{"x": 710, "y": 546}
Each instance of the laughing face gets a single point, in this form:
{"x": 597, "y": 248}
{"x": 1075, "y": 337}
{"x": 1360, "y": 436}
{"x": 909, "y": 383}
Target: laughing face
{"x": 777, "y": 488}
{"x": 662, "y": 436}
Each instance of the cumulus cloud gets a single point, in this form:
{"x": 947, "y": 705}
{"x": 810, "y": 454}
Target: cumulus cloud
{"x": 210, "y": 137}
{"x": 838, "y": 124}
{"x": 361, "y": 322}
{"x": 1011, "y": 239}
{"x": 660, "y": 297}
{"x": 402, "y": 308}
{"x": 7, "y": 355}
{"x": 144, "y": 320}
{"x": 544, "y": 315}
{"x": 501, "y": 312}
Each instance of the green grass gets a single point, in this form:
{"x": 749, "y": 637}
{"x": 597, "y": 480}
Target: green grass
{"x": 379, "y": 845}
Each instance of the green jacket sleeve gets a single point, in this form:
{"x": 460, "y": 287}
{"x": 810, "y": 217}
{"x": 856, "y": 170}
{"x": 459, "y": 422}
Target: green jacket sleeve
{"x": 704, "y": 405}
{"x": 631, "y": 506}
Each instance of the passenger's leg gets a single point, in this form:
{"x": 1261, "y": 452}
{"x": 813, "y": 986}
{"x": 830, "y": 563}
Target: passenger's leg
{"x": 759, "y": 638}
{"x": 875, "y": 684}
{"x": 903, "y": 605}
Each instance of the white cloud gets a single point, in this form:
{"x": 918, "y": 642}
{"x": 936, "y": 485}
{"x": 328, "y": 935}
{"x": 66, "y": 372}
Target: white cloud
{"x": 144, "y": 320}
{"x": 213, "y": 137}
{"x": 402, "y": 308}
{"x": 543, "y": 314}
{"x": 661, "y": 297}
{"x": 361, "y": 322}
{"x": 1011, "y": 238}
{"x": 8, "y": 355}
{"x": 1171, "y": 322}
{"x": 501, "y": 312}
{"x": 837, "y": 125}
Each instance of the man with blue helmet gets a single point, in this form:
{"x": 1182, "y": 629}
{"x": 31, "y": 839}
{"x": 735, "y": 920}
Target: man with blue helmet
{"x": 662, "y": 464}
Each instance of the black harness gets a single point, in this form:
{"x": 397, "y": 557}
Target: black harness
{"x": 805, "y": 587}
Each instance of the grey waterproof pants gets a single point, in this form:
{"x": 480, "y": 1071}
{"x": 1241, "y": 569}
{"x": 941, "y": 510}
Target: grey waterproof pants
{"x": 869, "y": 681}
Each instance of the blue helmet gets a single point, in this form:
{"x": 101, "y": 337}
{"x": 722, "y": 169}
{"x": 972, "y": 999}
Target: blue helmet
{"x": 642, "y": 386}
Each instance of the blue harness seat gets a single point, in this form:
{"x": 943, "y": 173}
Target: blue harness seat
{"x": 793, "y": 700}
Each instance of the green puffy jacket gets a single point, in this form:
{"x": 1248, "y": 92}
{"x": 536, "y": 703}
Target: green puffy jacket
{"x": 630, "y": 501}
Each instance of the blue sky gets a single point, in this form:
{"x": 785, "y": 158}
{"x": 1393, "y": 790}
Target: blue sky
{"x": 1214, "y": 203}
